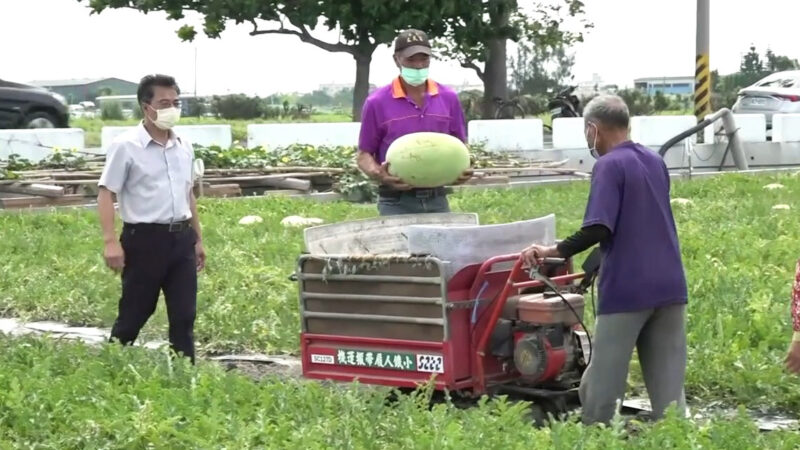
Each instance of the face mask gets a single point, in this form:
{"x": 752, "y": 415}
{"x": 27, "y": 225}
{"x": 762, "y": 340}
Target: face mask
{"x": 593, "y": 148}
{"x": 414, "y": 77}
{"x": 166, "y": 118}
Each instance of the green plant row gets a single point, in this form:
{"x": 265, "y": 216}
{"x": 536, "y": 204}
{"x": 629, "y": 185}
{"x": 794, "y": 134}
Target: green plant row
{"x": 739, "y": 254}
{"x": 60, "y": 395}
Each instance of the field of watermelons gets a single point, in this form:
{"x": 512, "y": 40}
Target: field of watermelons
{"x": 739, "y": 253}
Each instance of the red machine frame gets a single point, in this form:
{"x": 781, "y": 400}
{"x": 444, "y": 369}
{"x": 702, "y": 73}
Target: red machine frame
{"x": 467, "y": 366}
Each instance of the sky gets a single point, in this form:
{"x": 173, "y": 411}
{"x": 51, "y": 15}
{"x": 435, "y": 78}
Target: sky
{"x": 59, "y": 39}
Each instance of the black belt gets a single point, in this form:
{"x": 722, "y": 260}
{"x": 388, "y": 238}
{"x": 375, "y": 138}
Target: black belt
{"x": 385, "y": 191}
{"x": 174, "y": 227}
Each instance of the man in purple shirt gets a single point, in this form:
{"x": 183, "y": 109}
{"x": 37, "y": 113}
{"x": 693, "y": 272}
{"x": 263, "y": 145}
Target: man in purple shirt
{"x": 411, "y": 103}
{"x": 642, "y": 286}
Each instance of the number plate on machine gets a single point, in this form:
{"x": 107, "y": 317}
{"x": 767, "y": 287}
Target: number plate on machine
{"x": 411, "y": 362}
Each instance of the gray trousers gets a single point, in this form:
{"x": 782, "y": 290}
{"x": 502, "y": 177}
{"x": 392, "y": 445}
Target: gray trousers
{"x": 660, "y": 339}
{"x": 408, "y": 204}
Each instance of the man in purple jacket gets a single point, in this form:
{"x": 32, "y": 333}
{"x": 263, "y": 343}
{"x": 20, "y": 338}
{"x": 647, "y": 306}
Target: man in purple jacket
{"x": 411, "y": 103}
{"x": 642, "y": 287}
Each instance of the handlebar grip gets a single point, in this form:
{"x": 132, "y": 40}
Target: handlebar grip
{"x": 554, "y": 261}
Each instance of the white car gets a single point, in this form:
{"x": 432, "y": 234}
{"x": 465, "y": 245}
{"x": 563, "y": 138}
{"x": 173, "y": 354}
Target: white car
{"x": 778, "y": 93}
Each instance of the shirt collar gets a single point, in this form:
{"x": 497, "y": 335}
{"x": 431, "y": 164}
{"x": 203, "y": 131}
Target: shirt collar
{"x": 145, "y": 138}
{"x": 399, "y": 92}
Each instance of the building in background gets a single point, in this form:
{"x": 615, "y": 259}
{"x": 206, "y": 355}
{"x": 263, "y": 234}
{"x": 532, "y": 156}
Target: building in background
{"x": 666, "y": 85}
{"x": 88, "y": 89}
{"x": 594, "y": 87}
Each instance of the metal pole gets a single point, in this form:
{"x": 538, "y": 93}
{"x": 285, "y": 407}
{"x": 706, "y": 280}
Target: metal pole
{"x": 702, "y": 74}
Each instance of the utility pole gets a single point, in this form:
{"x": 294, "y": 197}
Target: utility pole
{"x": 195, "y": 71}
{"x": 702, "y": 74}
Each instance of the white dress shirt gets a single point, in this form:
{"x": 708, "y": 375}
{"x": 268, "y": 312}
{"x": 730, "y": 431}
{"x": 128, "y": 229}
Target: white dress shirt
{"x": 153, "y": 183}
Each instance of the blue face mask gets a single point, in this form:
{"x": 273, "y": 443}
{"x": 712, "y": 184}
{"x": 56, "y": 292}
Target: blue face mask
{"x": 414, "y": 77}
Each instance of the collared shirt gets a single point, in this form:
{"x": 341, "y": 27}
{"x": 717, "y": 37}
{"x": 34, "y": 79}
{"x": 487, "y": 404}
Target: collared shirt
{"x": 641, "y": 264}
{"x": 153, "y": 183}
{"x": 388, "y": 114}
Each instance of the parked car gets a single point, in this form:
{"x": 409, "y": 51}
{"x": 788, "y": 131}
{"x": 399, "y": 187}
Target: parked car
{"x": 26, "y": 106}
{"x": 778, "y": 93}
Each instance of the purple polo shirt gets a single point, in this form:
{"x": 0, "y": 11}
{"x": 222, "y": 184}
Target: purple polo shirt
{"x": 389, "y": 114}
{"x": 641, "y": 264}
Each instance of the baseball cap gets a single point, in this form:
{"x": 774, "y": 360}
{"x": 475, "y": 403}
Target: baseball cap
{"x": 411, "y": 42}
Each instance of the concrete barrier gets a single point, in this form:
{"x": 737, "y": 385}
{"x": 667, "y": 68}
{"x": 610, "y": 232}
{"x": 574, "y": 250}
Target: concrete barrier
{"x": 36, "y": 144}
{"x": 275, "y": 135}
{"x": 655, "y": 131}
{"x": 507, "y": 134}
{"x": 786, "y": 128}
{"x": 568, "y": 133}
{"x": 206, "y": 135}
{"x": 751, "y": 128}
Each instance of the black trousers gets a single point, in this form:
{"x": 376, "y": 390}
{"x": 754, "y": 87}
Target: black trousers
{"x": 158, "y": 259}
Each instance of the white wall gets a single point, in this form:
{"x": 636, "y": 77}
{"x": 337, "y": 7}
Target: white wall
{"x": 568, "y": 133}
{"x": 36, "y": 144}
{"x": 507, "y": 134}
{"x": 275, "y": 135}
{"x": 751, "y": 128}
{"x": 786, "y": 128}
{"x": 655, "y": 131}
{"x": 206, "y": 135}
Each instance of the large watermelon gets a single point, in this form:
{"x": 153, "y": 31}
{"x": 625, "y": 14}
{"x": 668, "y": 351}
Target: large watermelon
{"x": 427, "y": 159}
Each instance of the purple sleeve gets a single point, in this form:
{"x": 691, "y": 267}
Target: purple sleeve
{"x": 458, "y": 126}
{"x": 369, "y": 139}
{"x": 605, "y": 195}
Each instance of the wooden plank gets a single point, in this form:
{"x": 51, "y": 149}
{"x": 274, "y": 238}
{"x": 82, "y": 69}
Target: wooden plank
{"x": 262, "y": 177}
{"x": 289, "y": 183}
{"x": 43, "y": 190}
{"x": 27, "y": 202}
{"x": 488, "y": 180}
{"x": 222, "y": 190}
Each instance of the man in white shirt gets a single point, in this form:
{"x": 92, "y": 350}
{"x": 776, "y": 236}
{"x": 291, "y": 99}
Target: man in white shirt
{"x": 149, "y": 169}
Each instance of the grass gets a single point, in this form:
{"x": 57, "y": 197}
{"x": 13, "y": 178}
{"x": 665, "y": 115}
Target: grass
{"x": 739, "y": 256}
{"x": 132, "y": 398}
{"x": 94, "y": 127}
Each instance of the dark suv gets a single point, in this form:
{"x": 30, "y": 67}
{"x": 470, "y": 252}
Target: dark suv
{"x": 25, "y": 106}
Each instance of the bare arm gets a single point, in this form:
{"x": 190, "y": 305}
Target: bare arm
{"x": 105, "y": 209}
{"x": 379, "y": 172}
{"x": 368, "y": 165}
{"x": 113, "y": 252}
{"x": 195, "y": 220}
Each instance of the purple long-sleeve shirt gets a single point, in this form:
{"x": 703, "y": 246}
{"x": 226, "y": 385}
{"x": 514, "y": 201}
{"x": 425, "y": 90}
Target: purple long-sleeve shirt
{"x": 388, "y": 114}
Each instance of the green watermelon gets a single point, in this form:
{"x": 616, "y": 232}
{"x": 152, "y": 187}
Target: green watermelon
{"x": 427, "y": 159}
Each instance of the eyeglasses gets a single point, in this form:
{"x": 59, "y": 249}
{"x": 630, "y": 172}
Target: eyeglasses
{"x": 167, "y": 104}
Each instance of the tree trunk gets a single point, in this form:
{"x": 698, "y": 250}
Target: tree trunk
{"x": 361, "y": 88}
{"x": 495, "y": 73}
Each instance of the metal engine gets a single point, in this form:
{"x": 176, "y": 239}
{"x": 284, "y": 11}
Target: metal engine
{"x": 544, "y": 338}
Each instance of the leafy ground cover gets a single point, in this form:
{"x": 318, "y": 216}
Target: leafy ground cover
{"x": 739, "y": 254}
{"x": 59, "y": 395}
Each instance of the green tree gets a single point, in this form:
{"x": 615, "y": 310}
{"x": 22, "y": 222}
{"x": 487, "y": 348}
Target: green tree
{"x": 363, "y": 25}
{"x": 776, "y": 63}
{"x": 316, "y": 98}
{"x": 660, "y": 101}
{"x": 477, "y": 33}
{"x": 540, "y": 69}
{"x": 751, "y": 62}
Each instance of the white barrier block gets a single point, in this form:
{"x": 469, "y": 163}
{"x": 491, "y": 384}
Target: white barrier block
{"x": 38, "y": 143}
{"x": 568, "y": 133}
{"x": 786, "y": 128}
{"x": 275, "y": 135}
{"x": 752, "y": 128}
{"x": 108, "y": 134}
{"x": 655, "y": 131}
{"x": 507, "y": 134}
{"x": 205, "y": 135}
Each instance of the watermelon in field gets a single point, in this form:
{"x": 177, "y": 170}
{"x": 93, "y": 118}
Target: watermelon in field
{"x": 427, "y": 159}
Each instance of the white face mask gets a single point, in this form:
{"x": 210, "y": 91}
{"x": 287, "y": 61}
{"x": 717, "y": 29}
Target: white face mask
{"x": 166, "y": 118}
{"x": 593, "y": 148}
